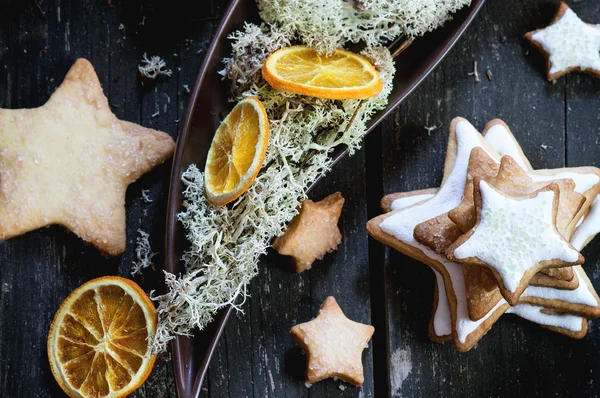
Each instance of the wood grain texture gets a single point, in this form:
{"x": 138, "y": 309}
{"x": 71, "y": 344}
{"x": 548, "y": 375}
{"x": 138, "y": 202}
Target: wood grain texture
{"x": 556, "y": 124}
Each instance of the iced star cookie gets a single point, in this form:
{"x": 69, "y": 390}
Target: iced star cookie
{"x": 440, "y": 325}
{"x": 512, "y": 180}
{"x": 312, "y": 233}
{"x": 333, "y": 344}
{"x": 70, "y": 161}
{"x": 515, "y": 237}
{"x": 482, "y": 294}
{"x": 569, "y": 44}
{"x": 396, "y": 230}
{"x": 439, "y": 233}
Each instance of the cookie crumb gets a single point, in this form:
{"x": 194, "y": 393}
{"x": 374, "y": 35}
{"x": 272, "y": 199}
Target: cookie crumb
{"x": 342, "y": 387}
{"x": 153, "y": 67}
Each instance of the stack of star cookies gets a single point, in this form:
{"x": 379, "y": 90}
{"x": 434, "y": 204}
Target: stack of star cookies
{"x": 500, "y": 237}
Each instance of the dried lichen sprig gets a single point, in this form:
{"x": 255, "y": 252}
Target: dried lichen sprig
{"x": 143, "y": 253}
{"x": 153, "y": 67}
{"x": 250, "y": 49}
{"x": 227, "y": 241}
{"x": 329, "y": 24}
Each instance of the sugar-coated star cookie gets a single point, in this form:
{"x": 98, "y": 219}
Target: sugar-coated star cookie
{"x": 333, "y": 344}
{"x": 69, "y": 162}
{"x": 313, "y": 232}
{"x": 515, "y": 237}
{"x": 569, "y": 44}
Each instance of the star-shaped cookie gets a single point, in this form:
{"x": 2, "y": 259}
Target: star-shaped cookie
{"x": 334, "y": 345}
{"x": 440, "y": 325}
{"x": 441, "y": 232}
{"x": 569, "y": 44}
{"x": 313, "y": 232}
{"x": 514, "y": 237}
{"x": 69, "y": 162}
{"x": 396, "y": 229}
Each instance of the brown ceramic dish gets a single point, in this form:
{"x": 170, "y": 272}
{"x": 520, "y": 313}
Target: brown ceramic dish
{"x": 208, "y": 100}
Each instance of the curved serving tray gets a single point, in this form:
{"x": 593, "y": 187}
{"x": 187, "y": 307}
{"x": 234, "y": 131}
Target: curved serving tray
{"x": 208, "y": 101}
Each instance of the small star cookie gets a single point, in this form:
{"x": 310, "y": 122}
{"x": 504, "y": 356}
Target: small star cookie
{"x": 334, "y": 345}
{"x": 69, "y": 162}
{"x": 569, "y": 44}
{"x": 313, "y": 232}
{"x": 515, "y": 237}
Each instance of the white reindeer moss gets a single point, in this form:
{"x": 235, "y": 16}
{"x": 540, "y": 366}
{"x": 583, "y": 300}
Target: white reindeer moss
{"x": 227, "y": 241}
{"x": 329, "y": 24}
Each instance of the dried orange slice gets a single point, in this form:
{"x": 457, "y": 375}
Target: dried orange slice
{"x": 97, "y": 344}
{"x": 341, "y": 75}
{"x": 237, "y": 152}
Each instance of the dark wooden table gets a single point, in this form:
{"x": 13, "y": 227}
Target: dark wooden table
{"x": 556, "y": 124}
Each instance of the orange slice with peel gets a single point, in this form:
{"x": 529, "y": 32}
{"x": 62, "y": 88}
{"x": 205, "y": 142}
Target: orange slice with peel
{"x": 341, "y": 75}
{"x": 97, "y": 344}
{"x": 237, "y": 152}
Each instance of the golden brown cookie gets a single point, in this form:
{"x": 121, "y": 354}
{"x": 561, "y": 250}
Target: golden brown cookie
{"x": 69, "y": 162}
{"x": 313, "y": 232}
{"x": 333, "y": 344}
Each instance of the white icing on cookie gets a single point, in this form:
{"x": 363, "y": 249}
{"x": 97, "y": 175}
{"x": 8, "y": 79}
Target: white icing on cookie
{"x": 442, "y": 321}
{"x": 589, "y": 228}
{"x": 502, "y": 142}
{"x": 581, "y": 295}
{"x": 583, "y": 182}
{"x": 500, "y": 139}
{"x": 407, "y": 201}
{"x": 570, "y": 43}
{"x": 513, "y": 236}
{"x": 402, "y": 224}
{"x": 534, "y": 313}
